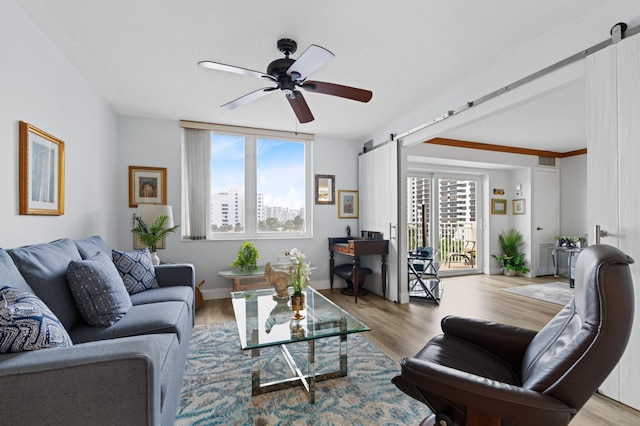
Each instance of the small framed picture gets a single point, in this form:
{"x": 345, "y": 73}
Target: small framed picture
{"x": 41, "y": 183}
{"x": 147, "y": 185}
{"x": 347, "y": 204}
{"x": 519, "y": 206}
{"x": 325, "y": 189}
{"x": 498, "y": 206}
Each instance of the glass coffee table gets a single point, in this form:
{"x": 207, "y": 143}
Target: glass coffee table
{"x": 264, "y": 320}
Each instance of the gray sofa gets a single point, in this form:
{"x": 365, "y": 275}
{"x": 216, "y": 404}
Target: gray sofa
{"x": 126, "y": 373}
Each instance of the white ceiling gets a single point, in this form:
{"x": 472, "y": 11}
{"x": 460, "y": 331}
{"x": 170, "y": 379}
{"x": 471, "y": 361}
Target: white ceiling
{"x": 141, "y": 56}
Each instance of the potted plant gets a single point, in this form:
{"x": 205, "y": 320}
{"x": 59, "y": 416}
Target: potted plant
{"x": 247, "y": 258}
{"x": 153, "y": 234}
{"x": 511, "y": 259}
{"x": 300, "y": 277}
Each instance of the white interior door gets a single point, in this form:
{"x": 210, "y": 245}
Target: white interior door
{"x": 378, "y": 199}
{"x": 546, "y": 218}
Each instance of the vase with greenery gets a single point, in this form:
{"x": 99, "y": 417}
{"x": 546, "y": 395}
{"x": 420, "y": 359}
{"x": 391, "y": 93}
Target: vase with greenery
{"x": 151, "y": 235}
{"x": 512, "y": 259}
{"x": 247, "y": 258}
{"x": 300, "y": 277}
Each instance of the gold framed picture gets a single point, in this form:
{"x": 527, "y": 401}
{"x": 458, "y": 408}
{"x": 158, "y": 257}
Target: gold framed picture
{"x": 41, "y": 169}
{"x": 147, "y": 185}
{"x": 518, "y": 206}
{"x": 498, "y": 206}
{"x": 347, "y": 204}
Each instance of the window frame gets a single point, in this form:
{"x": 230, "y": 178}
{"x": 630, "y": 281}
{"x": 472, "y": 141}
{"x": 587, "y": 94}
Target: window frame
{"x": 251, "y": 136}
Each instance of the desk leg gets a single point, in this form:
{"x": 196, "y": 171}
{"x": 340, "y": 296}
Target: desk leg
{"x": 384, "y": 276}
{"x": 331, "y": 266}
{"x": 354, "y": 276}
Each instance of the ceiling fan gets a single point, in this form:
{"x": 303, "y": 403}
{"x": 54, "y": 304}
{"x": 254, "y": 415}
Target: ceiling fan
{"x": 290, "y": 74}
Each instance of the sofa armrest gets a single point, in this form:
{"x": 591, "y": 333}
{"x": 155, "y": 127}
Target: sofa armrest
{"x": 507, "y": 341}
{"x": 176, "y": 274}
{"x": 98, "y": 383}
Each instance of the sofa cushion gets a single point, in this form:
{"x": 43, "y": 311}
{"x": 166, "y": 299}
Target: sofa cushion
{"x": 164, "y": 294}
{"x": 163, "y": 317}
{"x": 98, "y": 290}
{"x": 26, "y": 324}
{"x": 9, "y": 274}
{"x": 44, "y": 266}
{"x": 136, "y": 269}
{"x": 90, "y": 246}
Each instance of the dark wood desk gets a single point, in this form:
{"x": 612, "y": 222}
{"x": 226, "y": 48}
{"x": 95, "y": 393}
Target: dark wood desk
{"x": 356, "y": 247}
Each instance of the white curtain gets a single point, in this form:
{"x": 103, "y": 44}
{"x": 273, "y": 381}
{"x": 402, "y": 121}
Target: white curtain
{"x": 196, "y": 183}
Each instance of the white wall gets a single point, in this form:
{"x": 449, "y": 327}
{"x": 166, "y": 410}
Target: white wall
{"x": 39, "y": 85}
{"x": 156, "y": 143}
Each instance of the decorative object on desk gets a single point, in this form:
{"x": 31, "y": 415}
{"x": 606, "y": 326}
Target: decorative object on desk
{"x": 518, "y": 206}
{"x": 511, "y": 259}
{"x": 147, "y": 185}
{"x": 247, "y": 258}
{"x": 41, "y": 183}
{"x": 161, "y": 219}
{"x": 279, "y": 279}
{"x": 325, "y": 189}
{"x": 347, "y": 204}
{"x": 498, "y": 206}
{"x": 498, "y": 191}
{"x": 571, "y": 241}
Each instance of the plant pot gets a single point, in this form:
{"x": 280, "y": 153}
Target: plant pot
{"x": 154, "y": 258}
{"x": 510, "y": 272}
{"x": 297, "y": 305}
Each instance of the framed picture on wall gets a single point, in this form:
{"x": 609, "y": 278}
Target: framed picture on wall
{"x": 325, "y": 189}
{"x": 519, "y": 206}
{"x": 498, "y": 206}
{"x": 347, "y": 204}
{"x": 147, "y": 185}
{"x": 41, "y": 183}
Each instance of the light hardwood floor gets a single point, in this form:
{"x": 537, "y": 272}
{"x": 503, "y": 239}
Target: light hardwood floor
{"x": 402, "y": 330}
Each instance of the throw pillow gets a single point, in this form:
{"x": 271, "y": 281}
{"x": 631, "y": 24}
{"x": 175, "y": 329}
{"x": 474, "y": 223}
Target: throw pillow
{"x": 136, "y": 269}
{"x": 98, "y": 290}
{"x": 27, "y": 324}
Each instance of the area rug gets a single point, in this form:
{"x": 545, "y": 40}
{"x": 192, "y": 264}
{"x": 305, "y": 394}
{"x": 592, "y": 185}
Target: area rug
{"x": 217, "y": 385}
{"x": 556, "y": 292}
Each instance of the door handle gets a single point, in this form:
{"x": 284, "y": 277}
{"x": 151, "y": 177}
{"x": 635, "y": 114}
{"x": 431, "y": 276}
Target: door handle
{"x": 538, "y": 229}
{"x": 600, "y": 233}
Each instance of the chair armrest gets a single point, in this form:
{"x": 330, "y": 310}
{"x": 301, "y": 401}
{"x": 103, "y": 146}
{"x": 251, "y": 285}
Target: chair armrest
{"x": 509, "y": 402}
{"x": 176, "y": 274}
{"x": 503, "y": 340}
{"x": 104, "y": 382}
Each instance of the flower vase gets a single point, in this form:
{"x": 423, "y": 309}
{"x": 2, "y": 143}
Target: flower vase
{"x": 154, "y": 258}
{"x": 297, "y": 304}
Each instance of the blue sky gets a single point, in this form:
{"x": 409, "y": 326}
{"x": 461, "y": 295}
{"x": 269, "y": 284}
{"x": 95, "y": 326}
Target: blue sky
{"x": 280, "y": 168}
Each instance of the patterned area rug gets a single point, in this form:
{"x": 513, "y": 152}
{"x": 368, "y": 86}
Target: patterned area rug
{"x": 217, "y": 385}
{"x": 557, "y": 292}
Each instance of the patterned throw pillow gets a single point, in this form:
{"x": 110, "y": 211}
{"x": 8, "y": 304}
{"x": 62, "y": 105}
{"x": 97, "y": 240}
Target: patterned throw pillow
{"x": 27, "y": 324}
{"x": 98, "y": 290}
{"x": 136, "y": 269}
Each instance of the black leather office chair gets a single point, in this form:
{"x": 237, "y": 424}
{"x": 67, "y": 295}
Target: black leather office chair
{"x": 480, "y": 372}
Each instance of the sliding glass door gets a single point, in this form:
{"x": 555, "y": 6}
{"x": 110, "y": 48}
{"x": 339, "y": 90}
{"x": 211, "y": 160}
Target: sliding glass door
{"x": 442, "y": 213}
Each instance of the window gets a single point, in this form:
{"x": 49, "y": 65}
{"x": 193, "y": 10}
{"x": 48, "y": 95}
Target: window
{"x": 260, "y": 184}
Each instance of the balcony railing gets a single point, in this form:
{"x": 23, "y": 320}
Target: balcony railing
{"x": 452, "y": 238}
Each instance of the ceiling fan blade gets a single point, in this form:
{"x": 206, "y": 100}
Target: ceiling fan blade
{"x": 300, "y": 107}
{"x": 310, "y": 60}
{"x": 348, "y": 92}
{"x": 234, "y": 69}
{"x": 242, "y": 100}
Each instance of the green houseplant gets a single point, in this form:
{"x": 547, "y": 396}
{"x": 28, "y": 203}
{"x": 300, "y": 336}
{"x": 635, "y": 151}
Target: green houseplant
{"x": 512, "y": 259}
{"x": 247, "y": 258}
{"x": 151, "y": 235}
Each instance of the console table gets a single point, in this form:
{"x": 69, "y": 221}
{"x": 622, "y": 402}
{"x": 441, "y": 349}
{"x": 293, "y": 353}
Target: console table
{"x": 245, "y": 280}
{"x": 354, "y": 248}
